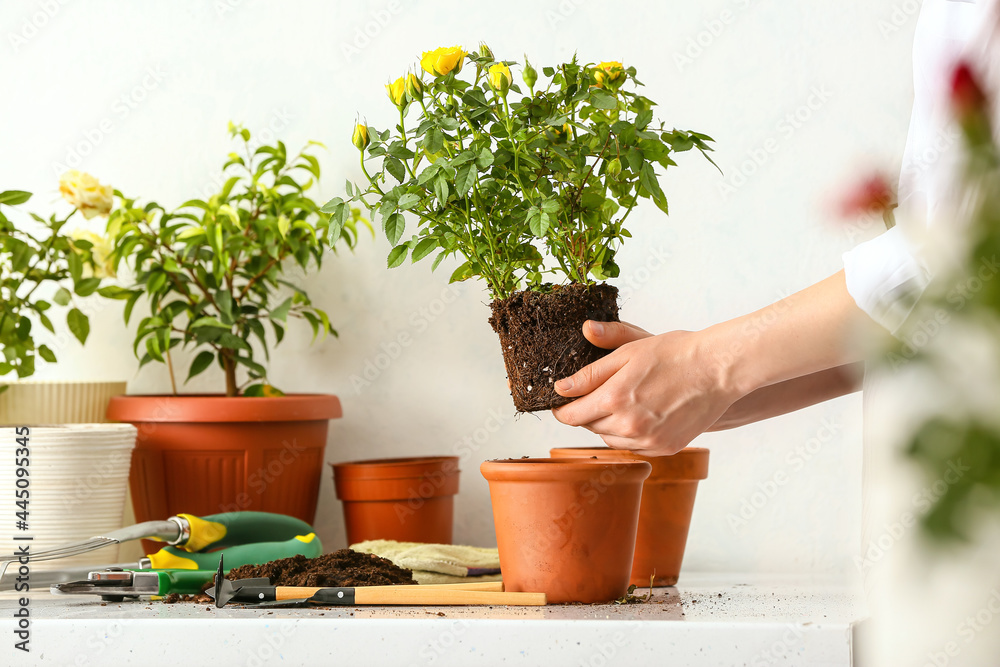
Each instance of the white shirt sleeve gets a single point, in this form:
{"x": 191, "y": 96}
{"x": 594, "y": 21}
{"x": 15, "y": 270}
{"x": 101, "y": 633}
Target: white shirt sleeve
{"x": 885, "y": 277}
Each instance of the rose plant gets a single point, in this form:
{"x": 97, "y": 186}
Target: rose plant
{"x": 529, "y": 186}
{"x": 41, "y": 266}
{"x": 214, "y": 272}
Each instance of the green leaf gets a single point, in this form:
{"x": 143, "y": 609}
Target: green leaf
{"x": 395, "y": 168}
{"x": 87, "y": 286}
{"x": 465, "y": 179}
{"x": 79, "y": 324}
{"x": 441, "y": 189}
{"x": 62, "y": 296}
{"x": 408, "y": 201}
{"x": 423, "y": 249}
{"x": 394, "y": 226}
{"x": 281, "y": 312}
{"x": 647, "y": 177}
{"x": 602, "y": 100}
{"x": 434, "y": 141}
{"x": 331, "y": 205}
{"x": 14, "y": 197}
{"x": 484, "y": 159}
{"x": 463, "y": 272}
{"x": 397, "y": 256}
{"x": 113, "y": 292}
{"x": 208, "y": 322}
{"x": 23, "y": 328}
{"x": 200, "y": 363}
{"x": 47, "y": 354}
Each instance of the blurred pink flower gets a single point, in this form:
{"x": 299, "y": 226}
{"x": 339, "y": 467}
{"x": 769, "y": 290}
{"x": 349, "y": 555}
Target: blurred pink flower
{"x": 872, "y": 195}
{"x": 966, "y": 94}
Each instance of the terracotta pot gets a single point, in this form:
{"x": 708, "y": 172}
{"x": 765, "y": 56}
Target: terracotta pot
{"x": 210, "y": 454}
{"x": 566, "y": 527}
{"x": 665, "y": 515}
{"x": 44, "y": 402}
{"x": 407, "y": 500}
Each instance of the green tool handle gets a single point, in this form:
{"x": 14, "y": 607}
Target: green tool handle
{"x": 184, "y": 582}
{"x": 235, "y": 528}
{"x": 173, "y": 558}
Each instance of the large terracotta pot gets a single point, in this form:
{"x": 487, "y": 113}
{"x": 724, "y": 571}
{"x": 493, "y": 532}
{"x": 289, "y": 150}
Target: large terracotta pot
{"x": 211, "y": 454}
{"x": 665, "y": 514}
{"x": 407, "y": 499}
{"x": 566, "y": 527}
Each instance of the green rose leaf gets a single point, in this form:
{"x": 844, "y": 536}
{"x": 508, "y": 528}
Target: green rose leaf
{"x": 79, "y": 324}
{"x": 397, "y": 256}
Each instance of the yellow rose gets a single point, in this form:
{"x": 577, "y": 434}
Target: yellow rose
{"x": 103, "y": 266}
{"x": 610, "y": 73}
{"x": 414, "y": 86}
{"x": 440, "y": 62}
{"x": 86, "y": 193}
{"x": 499, "y": 76}
{"x": 397, "y": 91}
{"x": 360, "y": 137}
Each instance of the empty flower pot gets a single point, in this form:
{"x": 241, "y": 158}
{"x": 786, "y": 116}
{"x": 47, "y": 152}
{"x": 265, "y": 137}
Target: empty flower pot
{"x": 566, "y": 527}
{"x": 665, "y": 515}
{"x": 406, "y": 499}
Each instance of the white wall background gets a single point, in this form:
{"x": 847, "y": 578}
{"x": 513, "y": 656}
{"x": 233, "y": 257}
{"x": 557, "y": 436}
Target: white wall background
{"x": 139, "y": 94}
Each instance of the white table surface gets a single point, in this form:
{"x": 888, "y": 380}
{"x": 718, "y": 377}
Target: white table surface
{"x": 707, "y": 620}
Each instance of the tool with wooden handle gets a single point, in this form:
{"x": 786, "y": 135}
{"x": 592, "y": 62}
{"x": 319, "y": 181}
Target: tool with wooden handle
{"x": 260, "y": 592}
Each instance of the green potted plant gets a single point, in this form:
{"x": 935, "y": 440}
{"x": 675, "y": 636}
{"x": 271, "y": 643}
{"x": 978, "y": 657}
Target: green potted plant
{"x": 41, "y": 266}
{"x": 78, "y": 468}
{"x": 530, "y": 187}
{"x": 213, "y": 274}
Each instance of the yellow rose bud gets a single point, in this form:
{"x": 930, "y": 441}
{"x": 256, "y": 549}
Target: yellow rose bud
{"x": 440, "y": 62}
{"x": 500, "y": 78}
{"x": 86, "y": 193}
{"x": 529, "y": 74}
{"x": 397, "y": 91}
{"x": 414, "y": 87}
{"x": 360, "y": 137}
{"x": 485, "y": 51}
{"x": 100, "y": 252}
{"x": 609, "y": 74}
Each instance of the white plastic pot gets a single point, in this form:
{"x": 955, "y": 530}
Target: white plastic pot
{"x": 42, "y": 402}
{"x": 78, "y": 478}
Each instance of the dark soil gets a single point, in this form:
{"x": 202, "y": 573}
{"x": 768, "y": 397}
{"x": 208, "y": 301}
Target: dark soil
{"x": 341, "y": 568}
{"x": 541, "y": 335}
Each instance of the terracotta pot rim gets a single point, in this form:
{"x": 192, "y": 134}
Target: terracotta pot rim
{"x": 209, "y": 408}
{"x": 543, "y": 469}
{"x": 405, "y": 467}
{"x": 688, "y": 465}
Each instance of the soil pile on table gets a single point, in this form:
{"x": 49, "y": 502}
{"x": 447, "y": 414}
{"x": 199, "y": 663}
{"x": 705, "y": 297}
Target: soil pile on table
{"x": 340, "y": 568}
{"x": 541, "y": 335}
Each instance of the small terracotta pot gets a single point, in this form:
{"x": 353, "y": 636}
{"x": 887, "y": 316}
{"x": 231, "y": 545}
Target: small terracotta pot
{"x": 566, "y": 527}
{"x": 211, "y": 454}
{"x": 407, "y": 499}
{"x": 667, "y": 504}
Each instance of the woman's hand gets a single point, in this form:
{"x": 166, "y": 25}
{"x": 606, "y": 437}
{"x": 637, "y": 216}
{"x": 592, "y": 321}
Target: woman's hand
{"x": 653, "y": 394}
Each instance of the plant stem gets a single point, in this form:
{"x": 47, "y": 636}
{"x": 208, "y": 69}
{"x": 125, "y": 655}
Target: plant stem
{"x": 170, "y": 369}
{"x": 229, "y": 364}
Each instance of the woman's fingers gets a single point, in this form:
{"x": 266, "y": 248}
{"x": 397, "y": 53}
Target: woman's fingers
{"x": 590, "y": 377}
{"x": 611, "y": 335}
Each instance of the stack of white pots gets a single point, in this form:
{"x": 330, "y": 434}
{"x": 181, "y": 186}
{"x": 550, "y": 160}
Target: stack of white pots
{"x": 77, "y": 472}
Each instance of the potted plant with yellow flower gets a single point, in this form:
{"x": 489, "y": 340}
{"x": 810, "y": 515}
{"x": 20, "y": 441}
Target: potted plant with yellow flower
{"x": 78, "y": 468}
{"x": 42, "y": 267}
{"x": 530, "y": 186}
